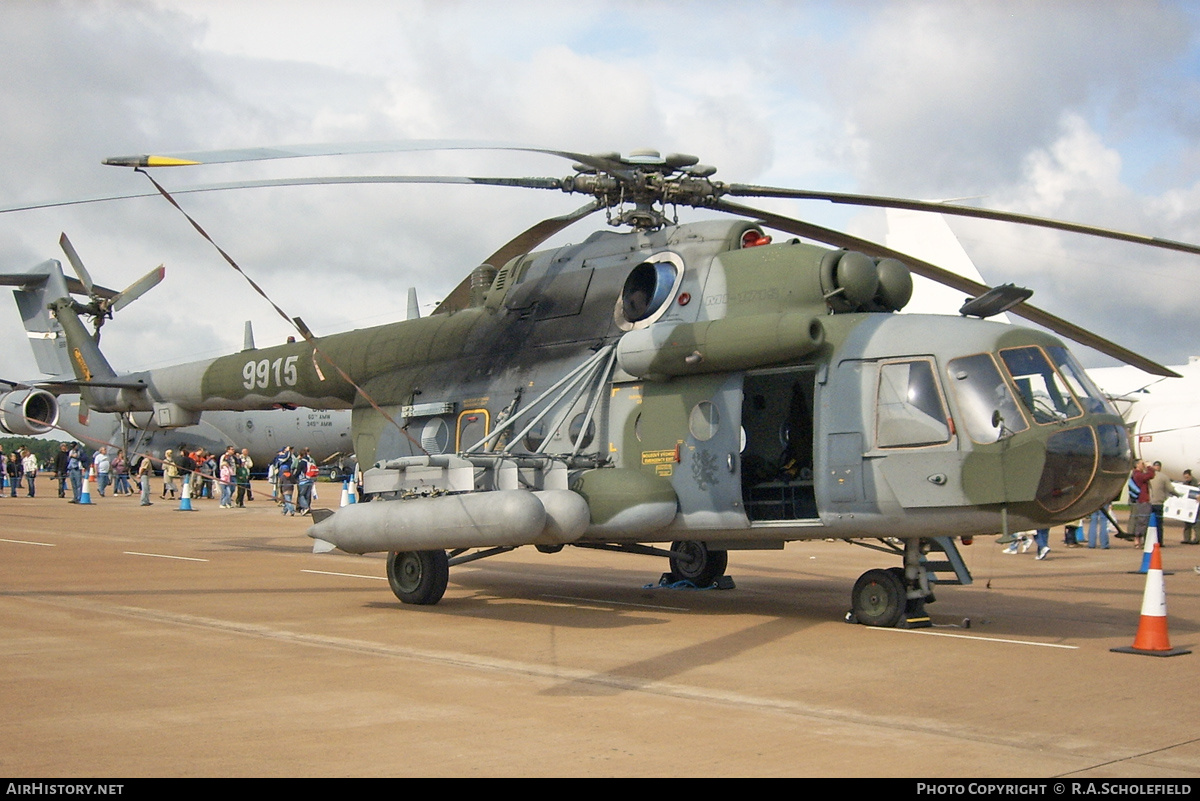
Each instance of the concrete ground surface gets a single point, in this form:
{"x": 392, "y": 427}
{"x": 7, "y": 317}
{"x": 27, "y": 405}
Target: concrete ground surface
{"x": 155, "y": 642}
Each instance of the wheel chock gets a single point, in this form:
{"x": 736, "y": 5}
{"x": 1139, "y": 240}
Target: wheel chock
{"x": 670, "y": 581}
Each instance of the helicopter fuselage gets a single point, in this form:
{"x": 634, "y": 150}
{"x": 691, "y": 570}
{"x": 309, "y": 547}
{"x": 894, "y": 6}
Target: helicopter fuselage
{"x": 739, "y": 394}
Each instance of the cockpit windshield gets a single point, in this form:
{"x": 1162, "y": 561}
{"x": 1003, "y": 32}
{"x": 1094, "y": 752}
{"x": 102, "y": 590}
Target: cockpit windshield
{"x": 1042, "y": 390}
{"x": 1088, "y": 394}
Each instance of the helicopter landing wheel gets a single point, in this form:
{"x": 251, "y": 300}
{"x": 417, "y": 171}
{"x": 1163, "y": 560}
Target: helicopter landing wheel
{"x": 697, "y": 564}
{"x": 878, "y": 599}
{"x": 418, "y": 577}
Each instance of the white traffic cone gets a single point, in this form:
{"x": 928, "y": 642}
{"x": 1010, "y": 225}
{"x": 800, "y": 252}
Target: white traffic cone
{"x": 345, "y": 494}
{"x": 1151, "y": 638}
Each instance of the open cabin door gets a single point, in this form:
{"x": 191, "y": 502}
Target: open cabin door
{"x": 777, "y": 452}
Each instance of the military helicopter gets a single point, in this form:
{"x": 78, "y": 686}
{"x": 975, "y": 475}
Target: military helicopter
{"x": 681, "y": 390}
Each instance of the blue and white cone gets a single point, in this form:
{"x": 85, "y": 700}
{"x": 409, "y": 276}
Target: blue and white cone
{"x": 185, "y": 500}
{"x": 85, "y": 497}
{"x": 1150, "y": 540}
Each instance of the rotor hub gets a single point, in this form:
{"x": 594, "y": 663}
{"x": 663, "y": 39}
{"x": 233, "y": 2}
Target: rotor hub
{"x": 647, "y": 181}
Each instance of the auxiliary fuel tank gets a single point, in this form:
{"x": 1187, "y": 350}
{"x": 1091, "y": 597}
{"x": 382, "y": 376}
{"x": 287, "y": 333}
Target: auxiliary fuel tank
{"x": 471, "y": 519}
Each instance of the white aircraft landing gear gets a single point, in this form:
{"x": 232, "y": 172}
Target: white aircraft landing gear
{"x": 418, "y": 577}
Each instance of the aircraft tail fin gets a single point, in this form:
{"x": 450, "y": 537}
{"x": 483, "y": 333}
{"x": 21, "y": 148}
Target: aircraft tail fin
{"x": 35, "y": 289}
{"x": 929, "y": 237}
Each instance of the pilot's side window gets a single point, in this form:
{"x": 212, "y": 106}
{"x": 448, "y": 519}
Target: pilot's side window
{"x": 910, "y": 411}
{"x": 986, "y": 406}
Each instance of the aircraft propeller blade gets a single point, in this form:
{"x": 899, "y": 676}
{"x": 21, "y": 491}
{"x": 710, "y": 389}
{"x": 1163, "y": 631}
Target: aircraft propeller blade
{"x": 523, "y": 242}
{"x": 138, "y": 288}
{"x": 73, "y": 257}
{"x": 950, "y": 279}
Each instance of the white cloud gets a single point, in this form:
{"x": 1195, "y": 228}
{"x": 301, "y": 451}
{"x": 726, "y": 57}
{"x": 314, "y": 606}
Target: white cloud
{"x": 1041, "y": 107}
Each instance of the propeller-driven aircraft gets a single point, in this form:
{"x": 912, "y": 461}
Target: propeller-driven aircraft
{"x": 684, "y": 390}
{"x": 31, "y": 408}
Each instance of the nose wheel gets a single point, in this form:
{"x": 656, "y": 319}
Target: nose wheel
{"x": 879, "y": 598}
{"x": 897, "y": 596}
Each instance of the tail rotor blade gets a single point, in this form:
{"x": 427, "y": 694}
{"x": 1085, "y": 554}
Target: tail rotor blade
{"x": 138, "y": 288}
{"x": 84, "y": 277}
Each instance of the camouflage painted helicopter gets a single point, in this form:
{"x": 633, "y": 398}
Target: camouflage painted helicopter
{"x": 695, "y": 385}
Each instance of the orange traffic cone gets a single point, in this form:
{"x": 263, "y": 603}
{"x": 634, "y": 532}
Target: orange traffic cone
{"x": 1151, "y": 638}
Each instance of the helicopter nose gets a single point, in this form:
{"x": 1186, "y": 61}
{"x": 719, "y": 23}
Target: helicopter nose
{"x": 1084, "y": 466}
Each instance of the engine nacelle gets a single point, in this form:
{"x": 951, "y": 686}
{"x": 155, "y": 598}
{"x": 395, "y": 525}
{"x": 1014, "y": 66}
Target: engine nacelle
{"x": 28, "y": 412}
{"x": 142, "y": 421}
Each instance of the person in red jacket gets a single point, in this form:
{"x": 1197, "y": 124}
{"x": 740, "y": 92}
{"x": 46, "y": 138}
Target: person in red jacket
{"x": 1140, "y": 519}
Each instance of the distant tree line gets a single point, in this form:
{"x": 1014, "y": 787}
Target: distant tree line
{"x": 44, "y": 449}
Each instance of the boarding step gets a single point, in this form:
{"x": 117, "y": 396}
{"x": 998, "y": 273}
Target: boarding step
{"x": 953, "y": 562}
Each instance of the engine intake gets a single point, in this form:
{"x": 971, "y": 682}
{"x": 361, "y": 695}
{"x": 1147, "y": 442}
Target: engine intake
{"x": 28, "y": 412}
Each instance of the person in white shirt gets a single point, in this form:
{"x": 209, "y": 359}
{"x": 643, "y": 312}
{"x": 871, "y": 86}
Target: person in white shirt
{"x": 103, "y": 467}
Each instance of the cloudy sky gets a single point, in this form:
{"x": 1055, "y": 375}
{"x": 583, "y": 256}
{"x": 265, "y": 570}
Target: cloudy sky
{"x": 1088, "y": 111}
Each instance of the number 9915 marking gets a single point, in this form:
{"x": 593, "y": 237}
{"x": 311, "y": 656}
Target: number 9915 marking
{"x": 260, "y": 374}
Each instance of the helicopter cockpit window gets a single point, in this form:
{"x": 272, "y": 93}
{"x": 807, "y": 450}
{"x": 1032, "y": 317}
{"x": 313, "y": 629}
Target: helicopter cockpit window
{"x": 648, "y": 291}
{"x": 986, "y": 405}
{"x": 1086, "y": 391}
{"x": 910, "y": 411}
{"x": 1043, "y": 391}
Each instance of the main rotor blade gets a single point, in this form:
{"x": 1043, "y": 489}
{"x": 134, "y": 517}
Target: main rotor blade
{"x": 526, "y": 183}
{"x": 138, "y": 288}
{"x": 351, "y": 148}
{"x": 523, "y": 242}
{"x": 950, "y": 279}
{"x": 747, "y": 190}
{"x": 84, "y": 277}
